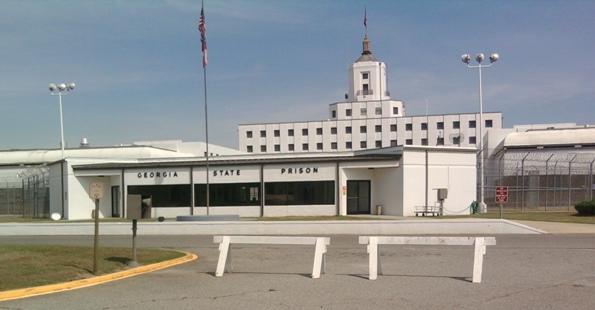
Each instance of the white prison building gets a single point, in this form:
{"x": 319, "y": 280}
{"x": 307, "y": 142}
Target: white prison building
{"x": 368, "y": 118}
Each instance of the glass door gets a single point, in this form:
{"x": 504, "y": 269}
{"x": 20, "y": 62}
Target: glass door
{"x": 115, "y": 201}
{"x": 358, "y": 197}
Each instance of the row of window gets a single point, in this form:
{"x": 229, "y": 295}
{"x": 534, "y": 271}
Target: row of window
{"x": 239, "y": 194}
{"x": 349, "y": 145}
{"x": 364, "y": 129}
{"x": 364, "y": 111}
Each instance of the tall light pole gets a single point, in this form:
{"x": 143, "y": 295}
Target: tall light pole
{"x": 59, "y": 90}
{"x": 466, "y": 58}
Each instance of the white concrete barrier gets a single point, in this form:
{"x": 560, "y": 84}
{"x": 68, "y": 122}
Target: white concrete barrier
{"x": 225, "y": 242}
{"x": 480, "y": 244}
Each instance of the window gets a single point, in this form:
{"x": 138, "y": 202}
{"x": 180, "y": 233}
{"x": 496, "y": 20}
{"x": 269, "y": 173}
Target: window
{"x": 228, "y": 194}
{"x": 440, "y": 141}
{"x": 393, "y": 127}
{"x": 263, "y": 148}
{"x": 489, "y": 123}
{"x": 348, "y": 129}
{"x": 291, "y": 147}
{"x": 424, "y": 141}
{"x": 409, "y": 141}
{"x": 263, "y": 133}
{"x": 366, "y": 89}
{"x": 290, "y": 132}
{"x": 471, "y": 124}
{"x": 424, "y": 126}
{"x": 304, "y": 131}
{"x": 363, "y": 129}
{"x": 249, "y": 149}
{"x": 334, "y": 145}
{"x": 164, "y": 196}
{"x": 347, "y": 112}
{"x": 378, "y": 143}
{"x": 409, "y": 127}
{"x": 300, "y": 193}
{"x": 333, "y": 130}
{"x": 319, "y": 131}
{"x": 456, "y": 125}
{"x": 348, "y": 145}
{"x": 395, "y": 110}
{"x": 393, "y": 142}
{"x": 334, "y": 113}
{"x": 363, "y": 144}
{"x": 249, "y": 134}
{"x": 378, "y": 111}
{"x": 304, "y": 146}
{"x": 456, "y": 140}
{"x": 277, "y": 148}
{"x": 378, "y": 128}
{"x": 440, "y": 125}
{"x": 363, "y": 111}
{"x": 471, "y": 140}
{"x": 319, "y": 146}
{"x": 365, "y": 76}
{"x": 277, "y": 132}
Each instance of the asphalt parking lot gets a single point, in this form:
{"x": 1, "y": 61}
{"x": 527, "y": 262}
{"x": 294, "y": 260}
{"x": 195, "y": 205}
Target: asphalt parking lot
{"x": 521, "y": 272}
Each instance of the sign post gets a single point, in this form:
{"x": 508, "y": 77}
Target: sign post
{"x": 96, "y": 193}
{"x": 501, "y": 197}
{"x": 134, "y": 213}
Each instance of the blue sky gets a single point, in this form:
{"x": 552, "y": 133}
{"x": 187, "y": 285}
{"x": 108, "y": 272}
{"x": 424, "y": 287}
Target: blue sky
{"x": 138, "y": 73}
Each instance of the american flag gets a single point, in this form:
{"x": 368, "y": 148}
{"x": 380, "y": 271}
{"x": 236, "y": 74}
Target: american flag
{"x": 365, "y": 18}
{"x": 202, "y": 27}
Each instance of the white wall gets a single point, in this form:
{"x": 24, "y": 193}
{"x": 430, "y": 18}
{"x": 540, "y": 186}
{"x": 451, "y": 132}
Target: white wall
{"x": 454, "y": 171}
{"x": 389, "y": 190}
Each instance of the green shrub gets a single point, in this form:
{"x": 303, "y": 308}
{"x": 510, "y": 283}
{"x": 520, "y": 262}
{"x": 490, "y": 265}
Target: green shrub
{"x": 585, "y": 207}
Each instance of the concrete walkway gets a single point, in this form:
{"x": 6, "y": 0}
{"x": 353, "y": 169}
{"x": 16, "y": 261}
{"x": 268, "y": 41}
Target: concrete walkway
{"x": 560, "y": 228}
{"x": 360, "y": 227}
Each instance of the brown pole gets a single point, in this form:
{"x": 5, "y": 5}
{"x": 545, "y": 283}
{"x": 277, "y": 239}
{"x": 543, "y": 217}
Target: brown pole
{"x": 96, "y": 237}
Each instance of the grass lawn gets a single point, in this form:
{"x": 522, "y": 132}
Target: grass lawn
{"x": 20, "y": 219}
{"x": 565, "y": 217}
{"x": 316, "y": 218}
{"x": 33, "y": 265}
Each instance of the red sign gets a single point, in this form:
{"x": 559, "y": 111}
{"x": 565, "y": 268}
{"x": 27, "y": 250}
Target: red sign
{"x": 501, "y": 194}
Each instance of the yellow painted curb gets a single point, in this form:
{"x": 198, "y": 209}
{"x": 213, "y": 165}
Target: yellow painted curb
{"x": 73, "y": 285}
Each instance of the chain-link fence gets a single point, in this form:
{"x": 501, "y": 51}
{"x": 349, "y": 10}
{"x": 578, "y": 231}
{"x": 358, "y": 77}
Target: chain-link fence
{"x": 26, "y": 193}
{"x": 540, "y": 180}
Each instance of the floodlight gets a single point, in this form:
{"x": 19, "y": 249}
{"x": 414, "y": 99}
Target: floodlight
{"x": 71, "y": 86}
{"x": 466, "y": 58}
{"x": 479, "y": 57}
{"x": 494, "y": 57}
{"x": 61, "y": 87}
{"x": 52, "y": 87}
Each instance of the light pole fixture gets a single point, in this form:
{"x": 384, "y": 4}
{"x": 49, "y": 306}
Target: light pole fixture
{"x": 59, "y": 90}
{"x": 479, "y": 58}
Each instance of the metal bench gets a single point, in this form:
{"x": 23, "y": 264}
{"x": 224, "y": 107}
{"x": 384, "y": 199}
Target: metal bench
{"x": 480, "y": 244}
{"x": 429, "y": 210}
{"x": 225, "y": 242}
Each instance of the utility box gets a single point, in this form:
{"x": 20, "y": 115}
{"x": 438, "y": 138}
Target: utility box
{"x": 442, "y": 194}
{"x": 134, "y": 207}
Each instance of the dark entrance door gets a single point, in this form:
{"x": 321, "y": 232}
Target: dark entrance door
{"x": 358, "y": 197}
{"x": 115, "y": 201}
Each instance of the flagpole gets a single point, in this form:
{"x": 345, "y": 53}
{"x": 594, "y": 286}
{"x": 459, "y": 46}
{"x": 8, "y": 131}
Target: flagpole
{"x": 204, "y": 70}
{"x": 203, "y": 39}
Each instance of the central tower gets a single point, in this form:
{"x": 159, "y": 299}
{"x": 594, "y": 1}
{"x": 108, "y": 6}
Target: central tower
{"x": 367, "y": 77}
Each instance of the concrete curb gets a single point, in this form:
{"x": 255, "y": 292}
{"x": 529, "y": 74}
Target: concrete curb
{"x": 73, "y": 285}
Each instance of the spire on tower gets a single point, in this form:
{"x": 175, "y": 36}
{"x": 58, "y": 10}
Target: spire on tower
{"x": 366, "y": 46}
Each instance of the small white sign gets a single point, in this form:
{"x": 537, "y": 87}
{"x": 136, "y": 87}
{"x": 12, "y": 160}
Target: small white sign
{"x": 96, "y": 190}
